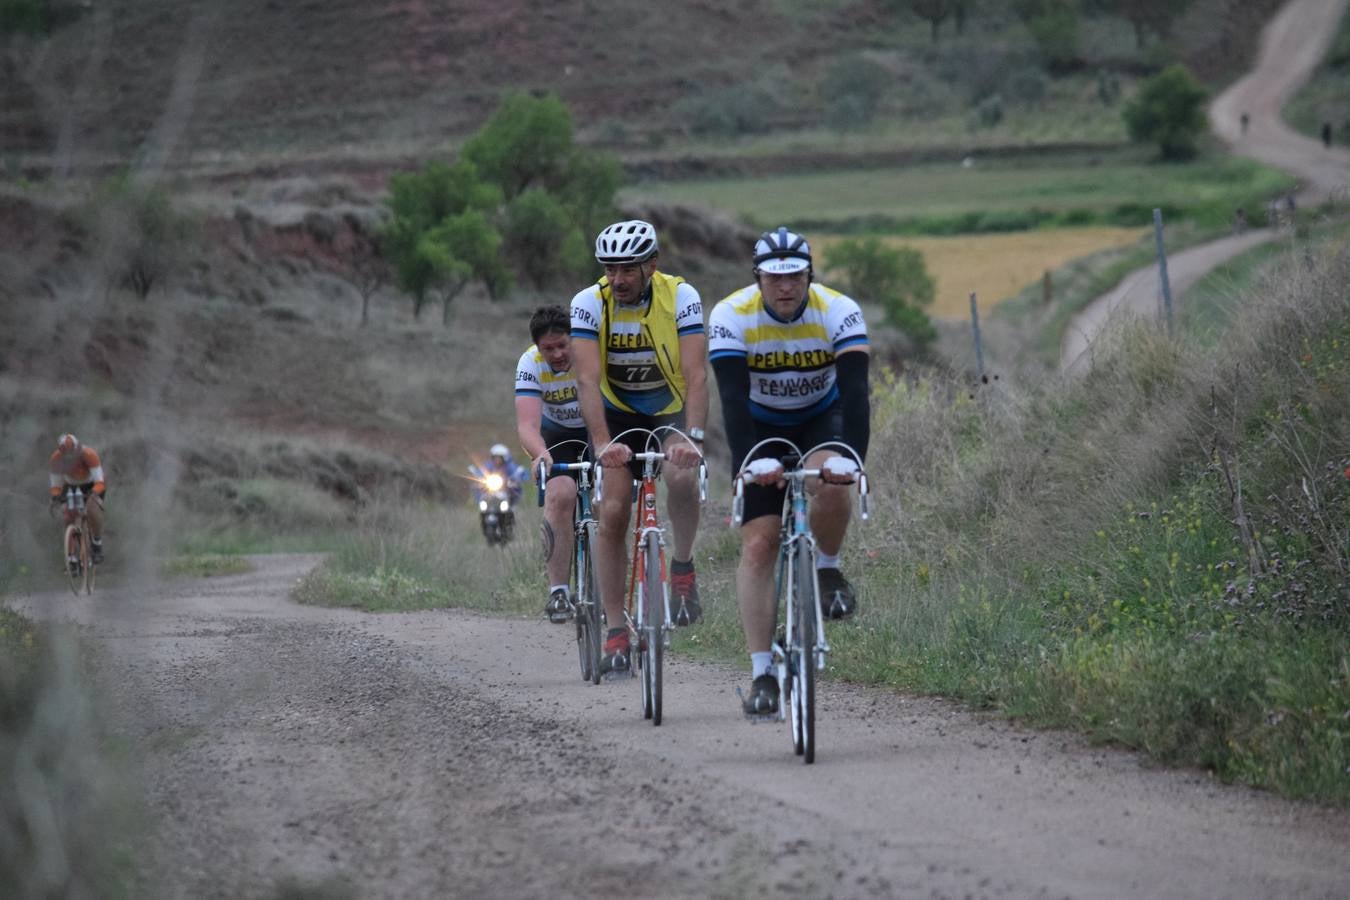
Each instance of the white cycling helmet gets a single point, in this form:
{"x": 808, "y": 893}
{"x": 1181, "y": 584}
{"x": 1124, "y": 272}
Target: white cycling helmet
{"x": 782, "y": 252}
{"x": 633, "y": 241}
{"x": 499, "y": 450}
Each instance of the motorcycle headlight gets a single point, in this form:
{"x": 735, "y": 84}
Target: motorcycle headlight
{"x": 494, "y": 482}
{"x": 482, "y": 506}
{"x": 505, "y": 505}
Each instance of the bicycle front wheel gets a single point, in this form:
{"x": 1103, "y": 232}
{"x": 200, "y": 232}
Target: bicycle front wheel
{"x": 652, "y": 628}
{"x": 87, "y": 560}
{"x": 70, "y": 557}
{"x": 587, "y": 599}
{"x": 803, "y": 656}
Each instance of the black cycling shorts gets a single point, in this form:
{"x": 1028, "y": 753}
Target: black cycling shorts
{"x": 766, "y": 500}
{"x": 619, "y": 421}
{"x": 566, "y": 445}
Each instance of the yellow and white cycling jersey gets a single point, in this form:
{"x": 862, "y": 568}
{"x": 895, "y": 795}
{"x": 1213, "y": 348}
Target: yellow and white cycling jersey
{"x": 639, "y": 345}
{"x": 557, "y": 390}
{"x": 791, "y": 363}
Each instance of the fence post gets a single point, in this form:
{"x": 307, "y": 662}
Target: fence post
{"x": 1162, "y": 268}
{"x": 975, "y": 327}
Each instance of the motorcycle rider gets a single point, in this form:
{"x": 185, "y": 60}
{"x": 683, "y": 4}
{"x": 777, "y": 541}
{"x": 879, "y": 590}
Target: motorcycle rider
{"x": 513, "y": 475}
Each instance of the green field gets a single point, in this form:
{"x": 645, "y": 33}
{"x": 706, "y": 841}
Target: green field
{"x": 988, "y": 195}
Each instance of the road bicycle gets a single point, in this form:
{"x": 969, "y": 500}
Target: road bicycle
{"x": 799, "y": 646}
{"x": 584, "y": 582}
{"x": 76, "y": 543}
{"x": 647, "y": 608}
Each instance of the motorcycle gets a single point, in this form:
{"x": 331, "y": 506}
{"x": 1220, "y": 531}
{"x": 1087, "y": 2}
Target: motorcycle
{"x": 496, "y": 512}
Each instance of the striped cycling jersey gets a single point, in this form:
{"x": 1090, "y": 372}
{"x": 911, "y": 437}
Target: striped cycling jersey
{"x": 557, "y": 390}
{"x": 792, "y": 376}
{"x": 638, "y": 353}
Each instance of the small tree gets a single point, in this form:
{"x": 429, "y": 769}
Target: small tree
{"x": 934, "y": 12}
{"x": 431, "y": 209}
{"x": 895, "y": 277}
{"x": 537, "y": 227}
{"x": 1053, "y": 25}
{"x": 527, "y": 142}
{"x": 1148, "y": 15}
{"x": 1168, "y": 111}
{"x": 141, "y": 234}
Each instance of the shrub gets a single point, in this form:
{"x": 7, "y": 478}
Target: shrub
{"x": 896, "y": 278}
{"x": 1168, "y": 111}
{"x": 853, "y": 89}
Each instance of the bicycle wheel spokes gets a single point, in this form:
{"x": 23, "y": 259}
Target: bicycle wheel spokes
{"x": 87, "y": 560}
{"x": 655, "y": 589}
{"x": 70, "y": 555}
{"x": 589, "y": 602}
{"x": 804, "y": 652}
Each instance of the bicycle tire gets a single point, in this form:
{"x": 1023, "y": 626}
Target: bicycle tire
{"x": 70, "y": 546}
{"x": 655, "y": 614}
{"x": 588, "y": 606}
{"x": 804, "y": 693}
{"x": 583, "y": 627}
{"x": 651, "y": 617}
{"x": 87, "y": 560}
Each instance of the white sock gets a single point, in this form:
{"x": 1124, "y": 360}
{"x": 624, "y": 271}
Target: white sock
{"x": 557, "y": 587}
{"x": 825, "y": 561}
{"x": 761, "y": 664}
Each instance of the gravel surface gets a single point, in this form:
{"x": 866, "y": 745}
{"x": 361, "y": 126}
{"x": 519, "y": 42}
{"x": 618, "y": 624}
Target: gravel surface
{"x": 452, "y": 754}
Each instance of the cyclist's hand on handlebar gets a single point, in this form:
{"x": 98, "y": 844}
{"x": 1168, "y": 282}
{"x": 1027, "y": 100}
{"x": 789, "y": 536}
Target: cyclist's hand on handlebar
{"x": 616, "y": 455}
{"x": 839, "y": 470}
{"x": 768, "y": 472}
{"x": 682, "y": 454}
{"x": 542, "y": 461}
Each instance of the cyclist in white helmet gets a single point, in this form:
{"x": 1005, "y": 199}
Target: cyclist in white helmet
{"x": 500, "y": 461}
{"x": 639, "y": 351}
{"x": 791, "y": 361}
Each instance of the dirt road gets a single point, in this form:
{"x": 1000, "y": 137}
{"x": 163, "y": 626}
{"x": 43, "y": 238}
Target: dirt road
{"x": 448, "y": 754}
{"x": 1291, "y": 46}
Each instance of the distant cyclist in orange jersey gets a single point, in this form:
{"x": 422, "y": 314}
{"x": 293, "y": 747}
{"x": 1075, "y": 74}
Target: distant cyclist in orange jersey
{"x": 78, "y": 466}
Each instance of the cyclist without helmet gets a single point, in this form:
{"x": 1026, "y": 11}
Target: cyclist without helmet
{"x": 791, "y": 360}
{"x": 548, "y": 415}
{"x": 78, "y": 467}
{"x": 640, "y": 355}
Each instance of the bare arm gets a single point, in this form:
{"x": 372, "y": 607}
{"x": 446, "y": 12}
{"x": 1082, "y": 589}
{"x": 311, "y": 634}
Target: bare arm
{"x": 529, "y": 413}
{"x": 694, "y": 368}
{"x": 586, "y": 366}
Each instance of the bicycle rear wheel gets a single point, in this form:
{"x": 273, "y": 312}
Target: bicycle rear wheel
{"x": 586, "y": 597}
{"x": 802, "y": 656}
{"x": 651, "y": 629}
{"x": 70, "y": 553}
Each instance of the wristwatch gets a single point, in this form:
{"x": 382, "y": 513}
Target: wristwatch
{"x": 696, "y": 435}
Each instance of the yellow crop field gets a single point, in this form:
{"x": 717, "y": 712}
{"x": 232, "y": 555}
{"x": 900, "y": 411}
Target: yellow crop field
{"x": 997, "y": 266}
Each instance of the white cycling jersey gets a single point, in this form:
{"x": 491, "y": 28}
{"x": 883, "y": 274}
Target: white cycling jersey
{"x": 792, "y": 375}
{"x": 557, "y": 390}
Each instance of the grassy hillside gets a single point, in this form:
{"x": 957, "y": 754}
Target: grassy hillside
{"x": 240, "y": 83}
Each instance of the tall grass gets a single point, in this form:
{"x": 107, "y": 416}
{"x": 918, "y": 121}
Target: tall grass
{"x": 65, "y": 823}
{"x": 1156, "y": 554}
{"x": 421, "y": 556}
